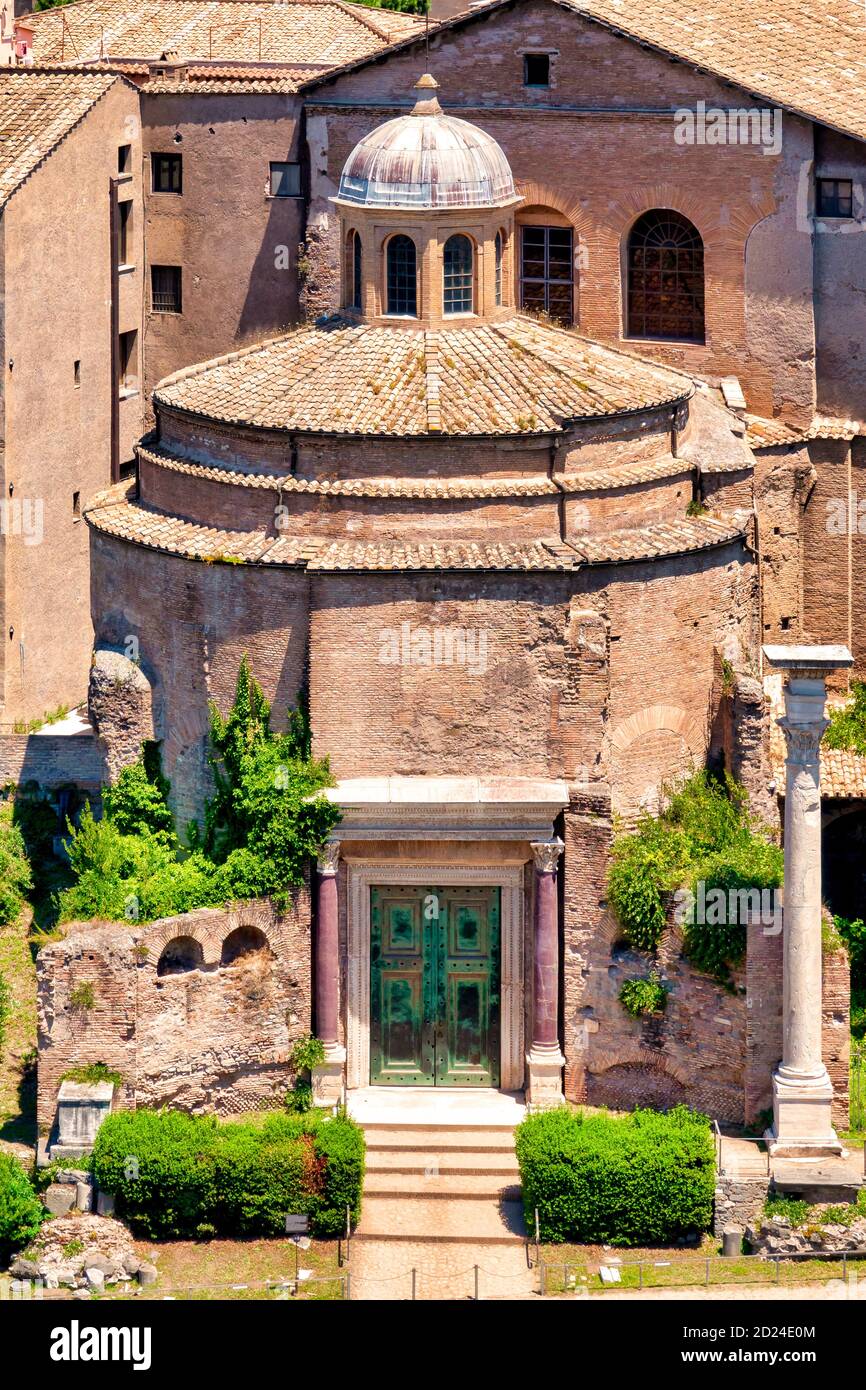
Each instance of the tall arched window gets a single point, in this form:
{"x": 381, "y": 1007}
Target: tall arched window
{"x": 665, "y": 277}
{"x": 353, "y": 271}
{"x": 499, "y": 246}
{"x": 401, "y": 263}
{"x": 457, "y": 275}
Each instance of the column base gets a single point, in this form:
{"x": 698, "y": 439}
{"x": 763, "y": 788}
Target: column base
{"x": 544, "y": 1064}
{"x": 329, "y": 1077}
{"x": 802, "y": 1116}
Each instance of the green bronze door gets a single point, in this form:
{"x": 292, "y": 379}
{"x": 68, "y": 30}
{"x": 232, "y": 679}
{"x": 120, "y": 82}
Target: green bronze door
{"x": 434, "y": 1003}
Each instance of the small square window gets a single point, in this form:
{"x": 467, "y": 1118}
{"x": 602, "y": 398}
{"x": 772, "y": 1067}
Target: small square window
{"x": 124, "y": 159}
{"x": 76, "y": 372}
{"x": 76, "y": 506}
{"x": 166, "y": 173}
{"x": 285, "y": 180}
{"x": 536, "y": 69}
{"x": 835, "y": 198}
{"x": 165, "y": 289}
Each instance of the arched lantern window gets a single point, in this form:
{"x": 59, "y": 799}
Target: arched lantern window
{"x": 665, "y": 277}
{"x": 401, "y": 276}
{"x": 499, "y": 247}
{"x": 353, "y": 271}
{"x": 457, "y": 273}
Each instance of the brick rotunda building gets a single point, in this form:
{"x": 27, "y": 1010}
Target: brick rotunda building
{"x": 470, "y": 533}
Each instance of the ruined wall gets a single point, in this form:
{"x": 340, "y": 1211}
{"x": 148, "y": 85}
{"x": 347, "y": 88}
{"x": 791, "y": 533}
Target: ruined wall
{"x": 51, "y": 760}
{"x": 237, "y": 245}
{"x": 216, "y": 1038}
{"x": 58, "y": 433}
{"x": 607, "y": 94}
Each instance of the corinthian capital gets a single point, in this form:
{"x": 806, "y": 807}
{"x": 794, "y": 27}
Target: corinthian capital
{"x": 546, "y": 854}
{"x": 328, "y": 861}
{"x": 802, "y": 741}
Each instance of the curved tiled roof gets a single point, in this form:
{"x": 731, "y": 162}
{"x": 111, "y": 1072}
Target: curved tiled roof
{"x": 517, "y": 377}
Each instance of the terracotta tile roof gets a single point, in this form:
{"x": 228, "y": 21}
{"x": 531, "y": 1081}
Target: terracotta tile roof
{"x": 808, "y": 56}
{"x": 37, "y": 110}
{"x": 765, "y": 434}
{"x": 514, "y": 377}
{"x": 664, "y": 538}
{"x": 323, "y": 32}
{"x": 843, "y": 773}
{"x": 623, "y": 475}
{"x": 421, "y": 488}
{"x": 115, "y": 513}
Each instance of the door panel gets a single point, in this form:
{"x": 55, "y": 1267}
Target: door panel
{"x": 434, "y": 1016}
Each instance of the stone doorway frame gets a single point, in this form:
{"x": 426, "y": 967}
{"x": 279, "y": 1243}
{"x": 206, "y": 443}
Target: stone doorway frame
{"x": 509, "y": 878}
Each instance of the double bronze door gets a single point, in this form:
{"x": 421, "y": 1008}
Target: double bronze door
{"x": 434, "y": 958}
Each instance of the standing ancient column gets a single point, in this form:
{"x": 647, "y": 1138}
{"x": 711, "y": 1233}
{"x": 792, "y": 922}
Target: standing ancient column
{"x": 328, "y": 1075}
{"x": 544, "y": 1061}
{"x": 802, "y": 1090}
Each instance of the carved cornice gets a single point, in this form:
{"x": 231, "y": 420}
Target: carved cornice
{"x": 546, "y": 854}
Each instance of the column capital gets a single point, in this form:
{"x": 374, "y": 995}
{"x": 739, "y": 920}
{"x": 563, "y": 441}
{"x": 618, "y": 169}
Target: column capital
{"x": 328, "y": 861}
{"x": 546, "y": 854}
{"x": 802, "y": 741}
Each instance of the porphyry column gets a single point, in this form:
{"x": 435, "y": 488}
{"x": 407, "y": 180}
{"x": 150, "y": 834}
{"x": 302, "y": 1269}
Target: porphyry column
{"x": 802, "y": 1090}
{"x": 544, "y": 1061}
{"x": 328, "y": 1075}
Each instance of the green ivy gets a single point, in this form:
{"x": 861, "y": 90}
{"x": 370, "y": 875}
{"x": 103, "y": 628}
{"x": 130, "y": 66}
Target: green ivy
{"x": 644, "y": 996}
{"x": 847, "y": 726}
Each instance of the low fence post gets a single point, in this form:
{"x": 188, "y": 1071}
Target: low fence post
{"x": 414, "y": 1283}
{"x": 476, "y": 1283}
{"x": 542, "y": 1280}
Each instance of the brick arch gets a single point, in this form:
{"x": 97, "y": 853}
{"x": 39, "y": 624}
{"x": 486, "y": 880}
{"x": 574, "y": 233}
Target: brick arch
{"x": 636, "y": 1054}
{"x": 670, "y": 718}
{"x": 159, "y": 934}
{"x": 542, "y": 195}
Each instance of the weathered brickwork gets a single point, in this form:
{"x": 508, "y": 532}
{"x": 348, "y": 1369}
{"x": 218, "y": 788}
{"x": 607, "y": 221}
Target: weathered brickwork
{"x": 51, "y": 761}
{"x": 213, "y": 1037}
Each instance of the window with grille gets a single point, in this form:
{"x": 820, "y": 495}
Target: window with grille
{"x": 546, "y": 259}
{"x": 166, "y": 172}
{"x": 402, "y": 290}
{"x": 457, "y": 275}
{"x": 285, "y": 180}
{"x": 835, "y": 198}
{"x": 165, "y": 289}
{"x": 497, "y": 283}
{"x": 665, "y": 278}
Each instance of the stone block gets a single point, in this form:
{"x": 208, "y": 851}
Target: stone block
{"x": 81, "y": 1108}
{"x": 147, "y": 1273}
{"x": 104, "y": 1203}
{"x": 59, "y": 1198}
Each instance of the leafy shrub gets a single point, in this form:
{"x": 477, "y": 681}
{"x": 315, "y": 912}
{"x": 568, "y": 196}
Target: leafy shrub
{"x": 704, "y": 835}
{"x": 308, "y": 1052}
{"x": 15, "y": 877}
{"x": 83, "y": 996}
{"x": 21, "y": 1212}
{"x": 93, "y": 1074}
{"x": 639, "y": 1179}
{"x": 847, "y": 726}
{"x": 792, "y": 1209}
{"x": 179, "y": 1175}
{"x": 261, "y": 826}
{"x": 646, "y": 996}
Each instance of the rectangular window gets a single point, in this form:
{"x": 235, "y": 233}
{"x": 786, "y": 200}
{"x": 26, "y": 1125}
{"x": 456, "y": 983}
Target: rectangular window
{"x": 835, "y": 198}
{"x": 76, "y": 506}
{"x": 124, "y": 159}
{"x": 546, "y": 259}
{"x": 166, "y": 173}
{"x": 285, "y": 180}
{"x": 124, "y": 233}
{"x": 536, "y": 69}
{"x": 128, "y": 361}
{"x": 76, "y": 372}
{"x": 165, "y": 289}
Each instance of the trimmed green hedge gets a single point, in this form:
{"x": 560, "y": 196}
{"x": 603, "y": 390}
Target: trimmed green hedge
{"x": 179, "y": 1175}
{"x": 639, "y": 1179}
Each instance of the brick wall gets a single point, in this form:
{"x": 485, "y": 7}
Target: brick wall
{"x": 214, "y": 1039}
{"x": 52, "y": 760}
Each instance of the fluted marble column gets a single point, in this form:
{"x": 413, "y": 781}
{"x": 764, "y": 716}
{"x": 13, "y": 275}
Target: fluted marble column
{"x": 544, "y": 1061}
{"x": 802, "y": 1090}
{"x": 328, "y": 1077}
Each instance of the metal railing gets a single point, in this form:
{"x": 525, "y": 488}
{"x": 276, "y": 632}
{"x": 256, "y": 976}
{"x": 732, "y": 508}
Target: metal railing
{"x": 741, "y": 1138}
{"x": 578, "y": 1278}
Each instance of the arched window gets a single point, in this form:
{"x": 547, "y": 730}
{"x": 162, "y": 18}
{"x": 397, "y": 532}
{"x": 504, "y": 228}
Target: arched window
{"x": 499, "y": 246}
{"x": 353, "y": 271}
{"x": 457, "y": 275}
{"x": 181, "y": 954}
{"x": 402, "y": 288}
{"x": 665, "y": 277}
{"x": 243, "y": 942}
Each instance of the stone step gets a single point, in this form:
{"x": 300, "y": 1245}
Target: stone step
{"x": 438, "y": 1139}
{"x": 472, "y": 1221}
{"x": 499, "y": 1163}
{"x": 459, "y": 1186}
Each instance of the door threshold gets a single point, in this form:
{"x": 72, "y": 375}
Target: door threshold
{"x": 435, "y": 1105}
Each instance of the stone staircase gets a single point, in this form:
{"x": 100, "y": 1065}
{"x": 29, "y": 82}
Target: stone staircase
{"x": 442, "y": 1216}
